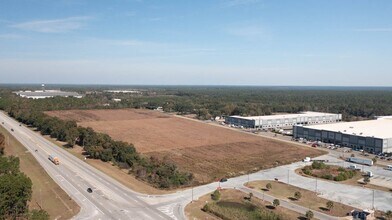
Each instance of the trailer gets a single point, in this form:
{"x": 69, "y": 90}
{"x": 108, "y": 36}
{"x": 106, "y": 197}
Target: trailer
{"x": 54, "y": 159}
{"x": 360, "y": 161}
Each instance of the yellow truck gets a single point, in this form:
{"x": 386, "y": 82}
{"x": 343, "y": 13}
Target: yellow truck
{"x": 54, "y": 159}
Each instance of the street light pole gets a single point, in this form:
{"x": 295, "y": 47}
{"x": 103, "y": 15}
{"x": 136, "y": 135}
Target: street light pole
{"x": 192, "y": 193}
{"x": 288, "y": 176}
{"x": 373, "y": 200}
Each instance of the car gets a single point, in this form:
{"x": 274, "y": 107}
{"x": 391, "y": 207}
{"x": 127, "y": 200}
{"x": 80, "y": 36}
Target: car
{"x": 223, "y": 180}
{"x": 366, "y": 155}
{"x": 12, "y": 129}
{"x": 2, "y": 122}
{"x": 389, "y": 158}
{"x": 89, "y": 190}
{"x": 20, "y": 125}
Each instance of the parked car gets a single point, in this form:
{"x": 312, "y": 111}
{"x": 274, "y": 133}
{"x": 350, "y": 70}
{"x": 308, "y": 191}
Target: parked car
{"x": 223, "y": 180}
{"x": 12, "y": 129}
{"x": 89, "y": 190}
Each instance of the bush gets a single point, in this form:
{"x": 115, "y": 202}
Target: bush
{"x": 276, "y": 203}
{"x": 309, "y": 214}
{"x": 216, "y": 195}
{"x": 318, "y": 165}
{"x": 327, "y": 176}
{"x": 307, "y": 171}
{"x": 268, "y": 186}
{"x": 330, "y": 205}
{"x": 206, "y": 208}
{"x": 297, "y": 195}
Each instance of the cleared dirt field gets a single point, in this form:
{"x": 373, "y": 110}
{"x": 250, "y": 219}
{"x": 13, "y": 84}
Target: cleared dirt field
{"x": 210, "y": 152}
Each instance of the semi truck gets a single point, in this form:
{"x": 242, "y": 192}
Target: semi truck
{"x": 360, "y": 161}
{"x": 54, "y": 159}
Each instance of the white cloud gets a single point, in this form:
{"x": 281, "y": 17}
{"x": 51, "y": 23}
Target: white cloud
{"x": 373, "y": 30}
{"x": 233, "y": 3}
{"x": 53, "y": 26}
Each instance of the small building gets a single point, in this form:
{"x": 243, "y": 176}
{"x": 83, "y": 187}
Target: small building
{"x": 283, "y": 120}
{"x": 374, "y": 136}
{"x": 117, "y": 100}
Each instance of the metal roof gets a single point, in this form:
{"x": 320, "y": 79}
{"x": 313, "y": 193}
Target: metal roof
{"x": 381, "y": 128}
{"x": 286, "y": 116}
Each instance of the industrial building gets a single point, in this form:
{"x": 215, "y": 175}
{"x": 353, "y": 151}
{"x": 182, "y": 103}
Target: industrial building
{"x": 374, "y": 136}
{"x": 42, "y": 94}
{"x": 284, "y": 120}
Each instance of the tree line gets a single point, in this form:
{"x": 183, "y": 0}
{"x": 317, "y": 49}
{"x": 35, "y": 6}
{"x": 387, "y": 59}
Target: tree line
{"x": 207, "y": 102}
{"x": 15, "y": 190}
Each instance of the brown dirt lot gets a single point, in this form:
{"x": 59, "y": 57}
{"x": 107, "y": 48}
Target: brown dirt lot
{"x": 207, "y": 151}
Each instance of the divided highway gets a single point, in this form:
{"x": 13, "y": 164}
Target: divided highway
{"x": 109, "y": 200}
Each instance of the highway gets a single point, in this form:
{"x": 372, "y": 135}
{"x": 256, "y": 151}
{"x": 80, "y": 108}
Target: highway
{"x": 111, "y": 200}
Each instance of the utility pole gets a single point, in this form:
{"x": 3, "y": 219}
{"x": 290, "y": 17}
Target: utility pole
{"x": 40, "y": 197}
{"x": 192, "y": 194}
{"x": 288, "y": 176}
{"x": 316, "y": 185}
{"x": 373, "y": 200}
{"x": 248, "y": 178}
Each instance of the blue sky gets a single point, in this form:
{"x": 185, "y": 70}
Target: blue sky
{"x": 214, "y": 42}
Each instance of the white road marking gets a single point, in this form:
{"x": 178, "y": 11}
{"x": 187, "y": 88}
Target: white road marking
{"x": 168, "y": 210}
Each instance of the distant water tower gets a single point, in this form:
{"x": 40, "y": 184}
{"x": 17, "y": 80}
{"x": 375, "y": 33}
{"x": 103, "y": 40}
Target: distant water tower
{"x": 43, "y": 87}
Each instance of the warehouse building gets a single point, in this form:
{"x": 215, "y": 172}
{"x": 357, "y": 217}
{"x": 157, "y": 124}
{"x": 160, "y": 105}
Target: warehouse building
{"x": 283, "y": 121}
{"x": 42, "y": 94}
{"x": 374, "y": 136}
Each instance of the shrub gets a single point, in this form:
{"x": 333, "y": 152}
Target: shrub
{"x": 330, "y": 205}
{"x": 327, "y": 176}
{"x": 297, "y": 195}
{"x": 216, "y": 195}
{"x": 206, "y": 208}
{"x": 307, "y": 171}
{"x": 309, "y": 215}
{"x": 318, "y": 165}
{"x": 276, "y": 203}
{"x": 268, "y": 186}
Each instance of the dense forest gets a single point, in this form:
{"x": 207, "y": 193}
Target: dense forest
{"x": 15, "y": 190}
{"x": 204, "y": 102}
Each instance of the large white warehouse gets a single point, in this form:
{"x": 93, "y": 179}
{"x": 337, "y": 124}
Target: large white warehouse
{"x": 373, "y": 136}
{"x": 284, "y": 120}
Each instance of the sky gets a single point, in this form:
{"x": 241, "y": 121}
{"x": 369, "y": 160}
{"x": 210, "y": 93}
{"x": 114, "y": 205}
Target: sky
{"x": 204, "y": 42}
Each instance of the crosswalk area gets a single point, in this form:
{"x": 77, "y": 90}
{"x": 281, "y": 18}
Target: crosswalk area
{"x": 168, "y": 210}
